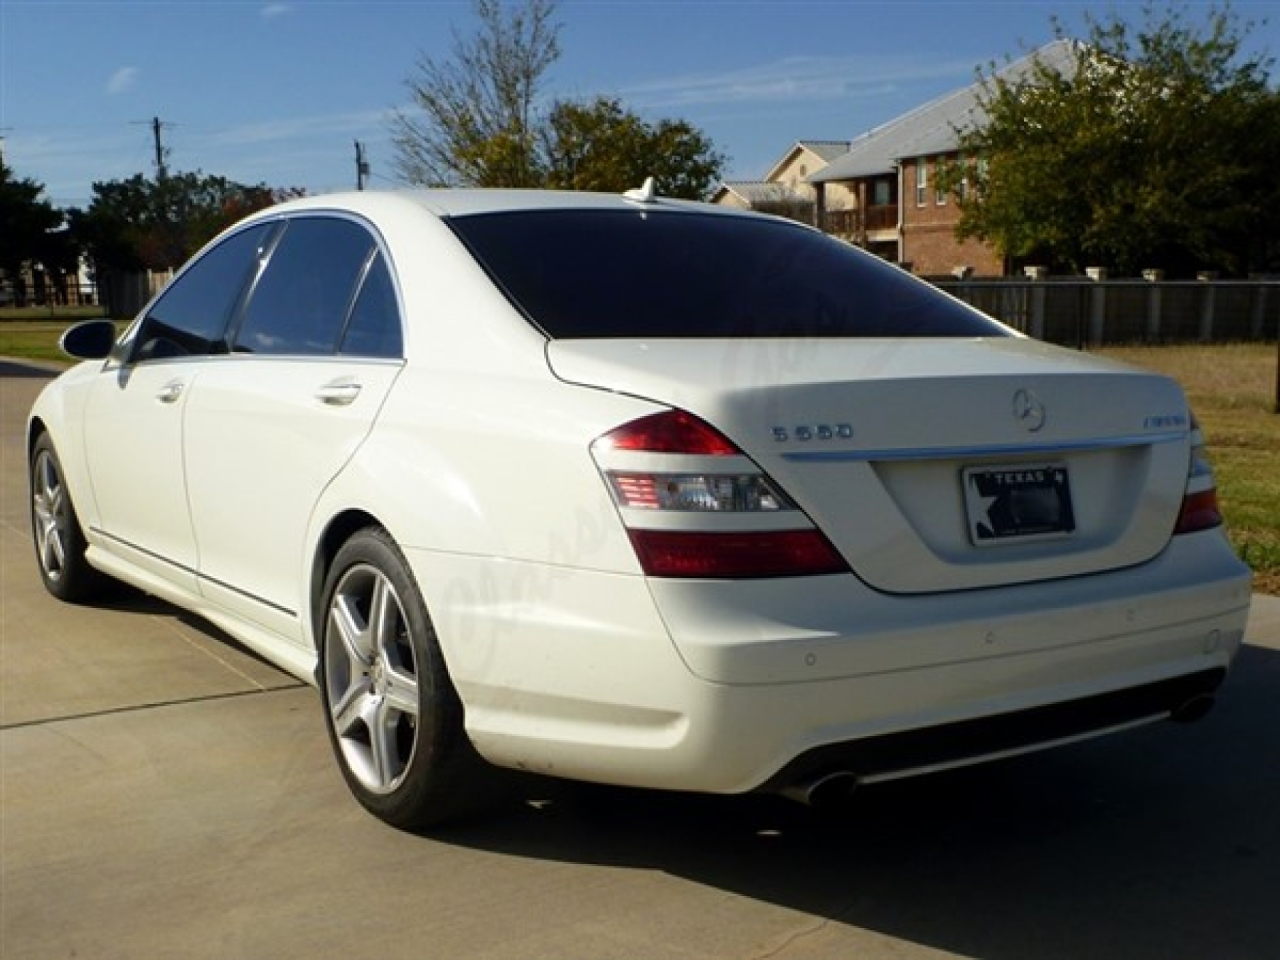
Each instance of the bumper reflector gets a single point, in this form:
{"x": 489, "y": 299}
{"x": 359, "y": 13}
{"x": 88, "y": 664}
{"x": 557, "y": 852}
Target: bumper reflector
{"x": 784, "y": 553}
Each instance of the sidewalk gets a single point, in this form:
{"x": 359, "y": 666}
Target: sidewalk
{"x": 1264, "y": 622}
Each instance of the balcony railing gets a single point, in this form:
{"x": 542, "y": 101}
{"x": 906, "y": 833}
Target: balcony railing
{"x": 883, "y": 217}
{"x": 841, "y": 223}
{"x": 856, "y": 223}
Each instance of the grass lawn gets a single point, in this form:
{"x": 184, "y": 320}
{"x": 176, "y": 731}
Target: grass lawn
{"x": 32, "y": 339}
{"x": 1232, "y": 389}
{"x": 68, "y": 314}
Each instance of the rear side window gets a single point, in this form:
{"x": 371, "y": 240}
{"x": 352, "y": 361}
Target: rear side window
{"x": 191, "y": 316}
{"x": 373, "y": 329}
{"x": 648, "y": 274}
{"x": 300, "y": 305}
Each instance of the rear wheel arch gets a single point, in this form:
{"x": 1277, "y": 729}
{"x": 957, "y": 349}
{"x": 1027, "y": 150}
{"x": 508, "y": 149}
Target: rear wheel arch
{"x": 339, "y": 530}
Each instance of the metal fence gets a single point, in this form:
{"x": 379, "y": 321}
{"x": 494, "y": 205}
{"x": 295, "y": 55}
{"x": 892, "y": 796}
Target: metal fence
{"x": 1080, "y": 312}
{"x": 119, "y": 293}
{"x": 22, "y": 294}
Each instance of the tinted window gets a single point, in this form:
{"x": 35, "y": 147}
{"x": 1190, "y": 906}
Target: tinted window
{"x": 301, "y": 303}
{"x": 579, "y": 273}
{"x": 374, "y": 327}
{"x": 191, "y": 316}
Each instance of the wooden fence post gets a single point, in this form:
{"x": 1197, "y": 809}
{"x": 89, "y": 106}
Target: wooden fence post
{"x": 1098, "y": 312}
{"x": 1259, "y": 312}
{"x": 1035, "y": 326}
{"x": 1207, "y": 305}
{"x": 1155, "y": 278}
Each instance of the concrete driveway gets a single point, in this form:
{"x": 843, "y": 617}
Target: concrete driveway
{"x": 163, "y": 793}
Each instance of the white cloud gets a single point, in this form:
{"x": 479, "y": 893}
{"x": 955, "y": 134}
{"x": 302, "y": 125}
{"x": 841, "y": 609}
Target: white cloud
{"x": 345, "y": 126}
{"x": 273, "y": 10}
{"x": 123, "y": 80}
{"x": 797, "y": 79}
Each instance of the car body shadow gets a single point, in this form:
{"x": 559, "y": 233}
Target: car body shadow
{"x": 125, "y": 598}
{"x": 28, "y": 371}
{"x": 1164, "y": 841}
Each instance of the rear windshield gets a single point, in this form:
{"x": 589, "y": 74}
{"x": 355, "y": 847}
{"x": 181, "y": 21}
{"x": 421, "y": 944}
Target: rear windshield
{"x": 646, "y": 274}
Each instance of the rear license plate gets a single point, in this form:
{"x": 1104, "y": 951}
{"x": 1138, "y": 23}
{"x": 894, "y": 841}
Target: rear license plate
{"x": 1018, "y": 503}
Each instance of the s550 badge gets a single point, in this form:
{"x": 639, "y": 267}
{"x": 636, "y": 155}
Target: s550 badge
{"x": 805, "y": 432}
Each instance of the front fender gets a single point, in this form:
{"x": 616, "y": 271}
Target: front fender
{"x": 59, "y": 411}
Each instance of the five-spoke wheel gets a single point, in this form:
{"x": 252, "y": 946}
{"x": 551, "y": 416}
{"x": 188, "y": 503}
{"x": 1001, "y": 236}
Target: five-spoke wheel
{"x": 393, "y": 715}
{"x": 55, "y": 529}
{"x": 371, "y": 678}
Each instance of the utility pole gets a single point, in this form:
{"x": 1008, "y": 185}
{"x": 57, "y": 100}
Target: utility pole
{"x": 362, "y": 165}
{"x": 157, "y": 127}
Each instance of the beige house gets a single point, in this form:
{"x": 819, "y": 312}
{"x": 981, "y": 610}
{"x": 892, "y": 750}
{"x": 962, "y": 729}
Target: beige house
{"x": 880, "y": 191}
{"x": 786, "y": 189}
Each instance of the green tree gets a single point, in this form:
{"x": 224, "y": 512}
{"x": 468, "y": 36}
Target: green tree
{"x": 32, "y": 237}
{"x": 1156, "y": 149}
{"x": 600, "y": 145}
{"x": 146, "y": 224}
{"x": 475, "y": 123}
{"x": 477, "y": 120}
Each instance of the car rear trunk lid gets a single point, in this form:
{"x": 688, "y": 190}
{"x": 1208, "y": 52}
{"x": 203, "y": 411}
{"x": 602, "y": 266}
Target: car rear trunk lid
{"x": 933, "y": 464}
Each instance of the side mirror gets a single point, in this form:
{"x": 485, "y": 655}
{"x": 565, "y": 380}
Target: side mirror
{"x": 91, "y": 340}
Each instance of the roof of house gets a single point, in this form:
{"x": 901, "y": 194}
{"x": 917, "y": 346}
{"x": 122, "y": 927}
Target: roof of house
{"x": 761, "y": 191}
{"x": 824, "y": 150}
{"x": 933, "y": 128}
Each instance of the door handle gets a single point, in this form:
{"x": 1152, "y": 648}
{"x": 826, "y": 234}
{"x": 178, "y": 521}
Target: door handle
{"x": 171, "y": 391}
{"x": 339, "y": 393}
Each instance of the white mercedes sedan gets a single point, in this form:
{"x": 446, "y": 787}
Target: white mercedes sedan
{"x": 635, "y": 491}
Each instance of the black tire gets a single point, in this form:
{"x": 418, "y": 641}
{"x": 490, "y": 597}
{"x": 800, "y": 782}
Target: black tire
{"x": 55, "y": 530}
{"x": 380, "y": 669}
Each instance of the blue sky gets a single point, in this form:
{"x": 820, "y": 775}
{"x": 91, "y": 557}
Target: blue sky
{"x": 276, "y": 92}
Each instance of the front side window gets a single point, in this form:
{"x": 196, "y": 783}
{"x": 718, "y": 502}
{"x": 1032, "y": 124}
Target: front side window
{"x": 649, "y": 274}
{"x": 190, "y": 317}
{"x": 922, "y": 183}
{"x": 301, "y": 303}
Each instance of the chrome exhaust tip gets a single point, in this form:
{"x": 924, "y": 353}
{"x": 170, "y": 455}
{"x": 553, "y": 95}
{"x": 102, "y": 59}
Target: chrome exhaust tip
{"x": 1193, "y": 709}
{"x": 823, "y": 790}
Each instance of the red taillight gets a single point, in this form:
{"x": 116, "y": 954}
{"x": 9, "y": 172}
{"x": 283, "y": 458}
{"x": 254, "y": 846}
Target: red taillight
{"x": 694, "y": 517}
{"x": 782, "y": 553}
{"x": 1200, "y": 502}
{"x": 672, "y": 432}
{"x": 1199, "y": 512}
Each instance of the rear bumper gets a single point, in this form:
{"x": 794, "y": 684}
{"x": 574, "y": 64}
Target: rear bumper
{"x": 730, "y": 687}
{"x": 928, "y": 750}
{"x": 773, "y": 631}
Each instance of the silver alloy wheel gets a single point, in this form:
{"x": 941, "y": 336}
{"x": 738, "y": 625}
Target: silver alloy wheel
{"x": 51, "y": 510}
{"x": 371, "y": 679}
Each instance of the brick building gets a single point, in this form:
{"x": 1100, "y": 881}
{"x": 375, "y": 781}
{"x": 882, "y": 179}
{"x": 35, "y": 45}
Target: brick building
{"x": 880, "y": 192}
